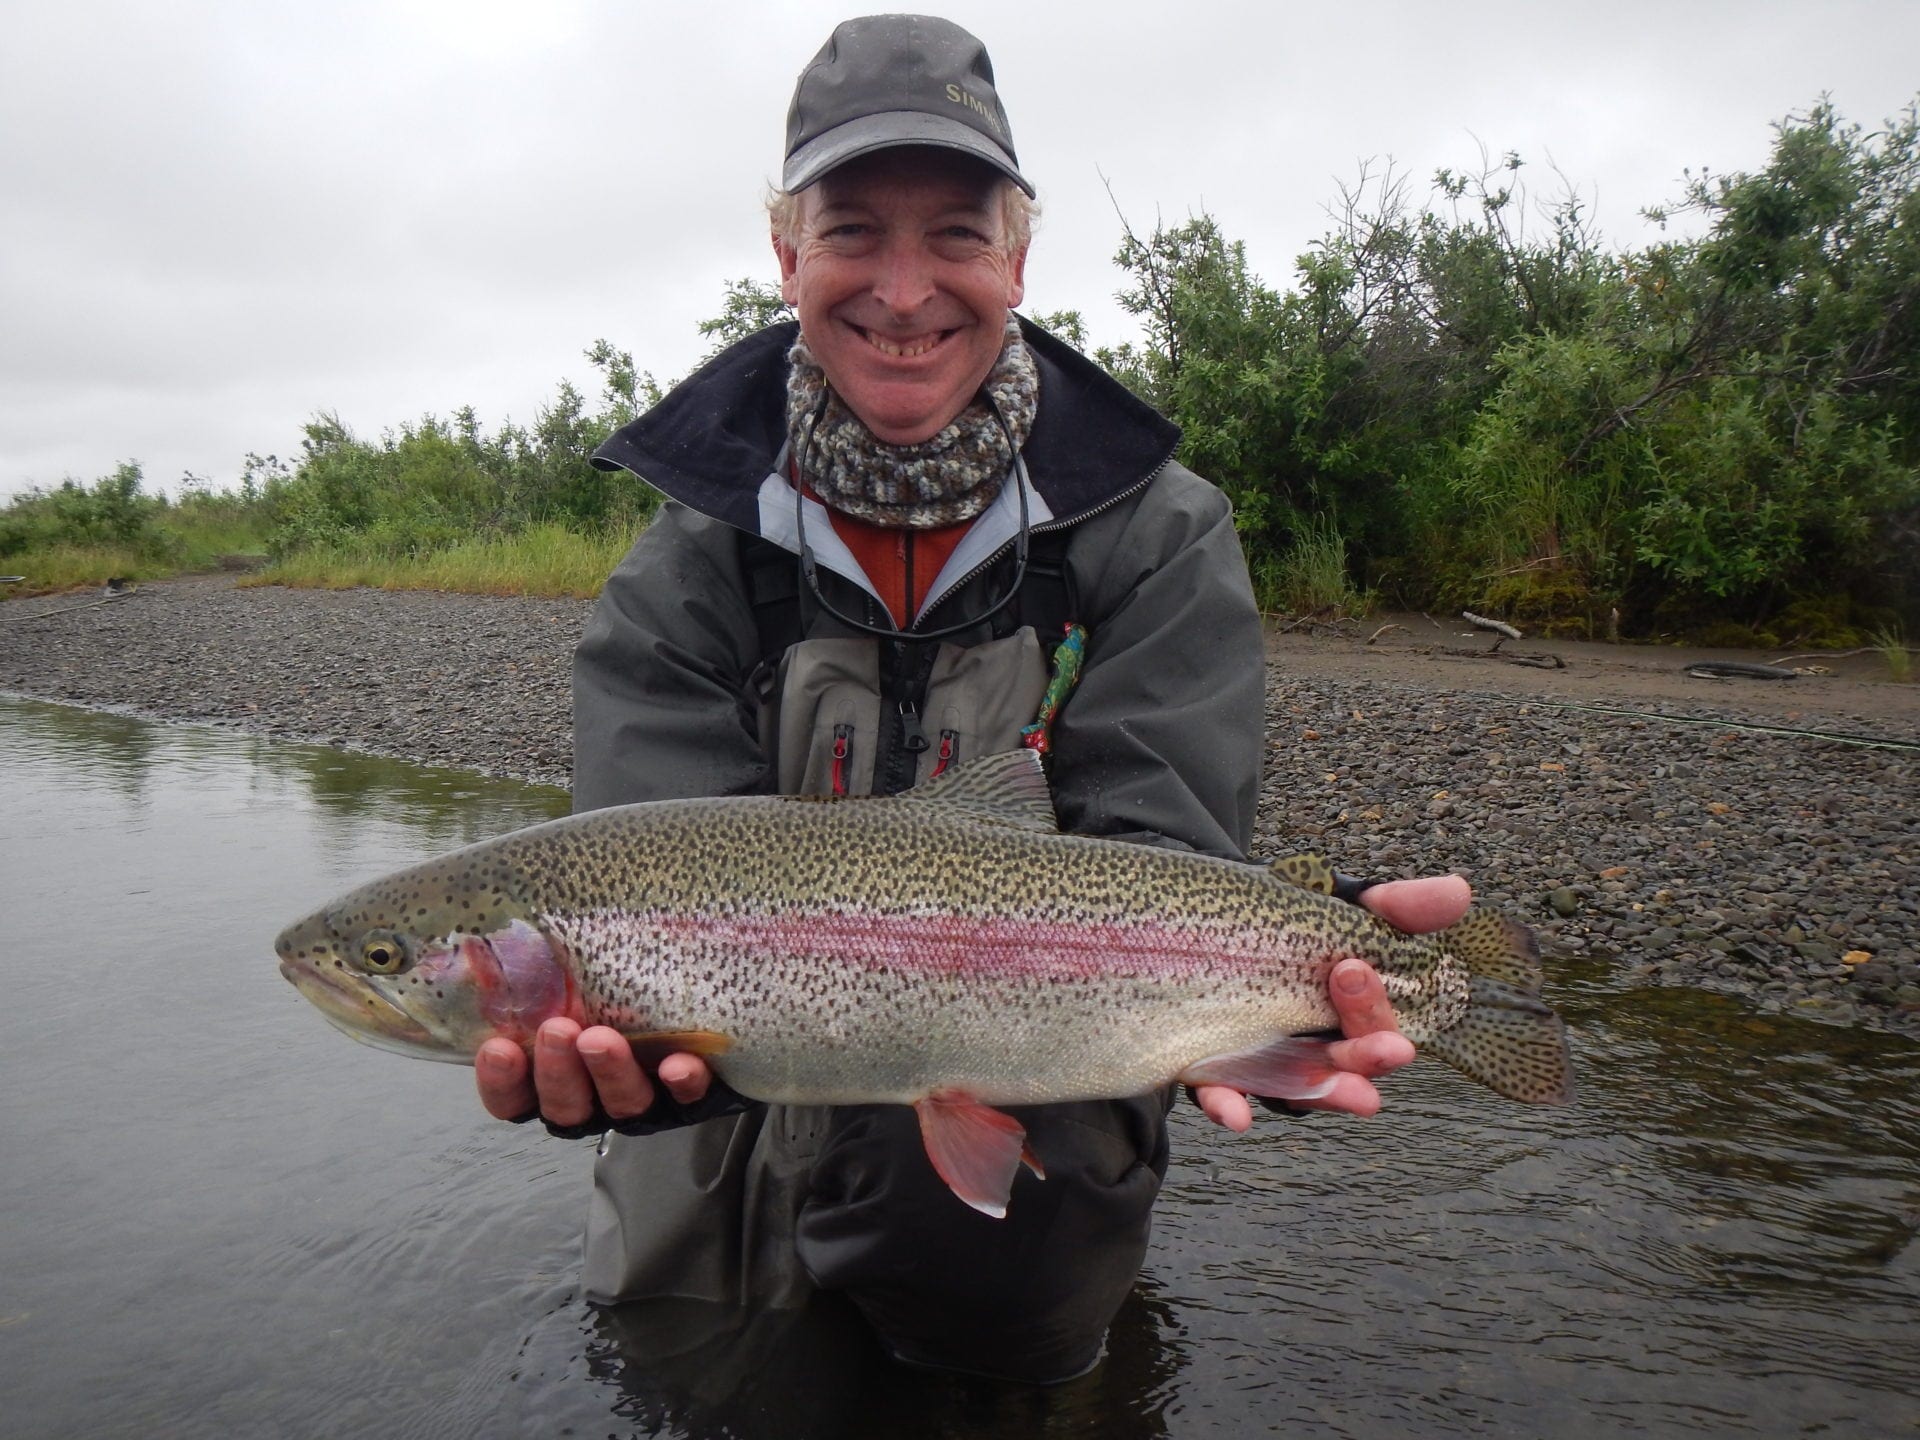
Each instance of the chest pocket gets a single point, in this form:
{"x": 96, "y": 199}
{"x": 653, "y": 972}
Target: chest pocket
{"x": 822, "y": 716}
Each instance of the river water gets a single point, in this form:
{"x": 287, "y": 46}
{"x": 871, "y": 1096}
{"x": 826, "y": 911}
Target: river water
{"x": 220, "y": 1217}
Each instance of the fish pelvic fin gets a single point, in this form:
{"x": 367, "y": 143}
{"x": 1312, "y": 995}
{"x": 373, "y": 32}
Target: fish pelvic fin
{"x": 1507, "y": 1038}
{"x": 1007, "y": 788}
{"x": 1292, "y": 1067}
{"x": 976, "y": 1149}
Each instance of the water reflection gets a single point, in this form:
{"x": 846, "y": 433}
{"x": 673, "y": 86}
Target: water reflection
{"x": 436, "y": 808}
{"x": 816, "y": 1374}
{"x": 225, "y": 1219}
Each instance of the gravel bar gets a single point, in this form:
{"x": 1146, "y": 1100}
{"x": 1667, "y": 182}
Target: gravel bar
{"x": 1687, "y": 848}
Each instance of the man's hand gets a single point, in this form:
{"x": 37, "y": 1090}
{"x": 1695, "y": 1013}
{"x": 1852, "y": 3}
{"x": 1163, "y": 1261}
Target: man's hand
{"x": 1373, "y": 1045}
{"x": 572, "y": 1069}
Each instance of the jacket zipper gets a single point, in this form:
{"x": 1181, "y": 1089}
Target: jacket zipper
{"x": 910, "y": 738}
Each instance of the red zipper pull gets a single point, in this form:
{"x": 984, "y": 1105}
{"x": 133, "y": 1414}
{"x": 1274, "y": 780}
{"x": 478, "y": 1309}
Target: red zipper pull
{"x": 949, "y": 747}
{"x": 842, "y": 746}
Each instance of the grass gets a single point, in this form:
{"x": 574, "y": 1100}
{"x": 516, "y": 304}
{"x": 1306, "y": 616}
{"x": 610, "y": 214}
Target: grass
{"x": 540, "y": 560}
{"x": 50, "y": 569}
{"x": 1311, "y": 574}
{"x": 1891, "y": 642}
{"x": 181, "y": 538}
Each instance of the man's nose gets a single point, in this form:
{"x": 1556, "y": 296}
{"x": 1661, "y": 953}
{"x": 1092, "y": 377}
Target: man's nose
{"x": 905, "y": 279}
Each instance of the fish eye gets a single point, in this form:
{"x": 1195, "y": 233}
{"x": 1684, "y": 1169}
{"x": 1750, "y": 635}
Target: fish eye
{"x": 383, "y": 953}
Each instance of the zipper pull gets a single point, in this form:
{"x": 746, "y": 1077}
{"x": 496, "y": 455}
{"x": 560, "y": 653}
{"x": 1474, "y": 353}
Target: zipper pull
{"x": 949, "y": 748}
{"x": 912, "y": 737}
{"x": 842, "y": 751}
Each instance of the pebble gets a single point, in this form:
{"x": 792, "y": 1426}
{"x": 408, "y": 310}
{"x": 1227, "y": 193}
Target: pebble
{"x": 1751, "y": 861}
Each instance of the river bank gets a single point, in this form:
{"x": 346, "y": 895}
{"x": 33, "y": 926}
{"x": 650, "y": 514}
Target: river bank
{"x": 1761, "y": 837}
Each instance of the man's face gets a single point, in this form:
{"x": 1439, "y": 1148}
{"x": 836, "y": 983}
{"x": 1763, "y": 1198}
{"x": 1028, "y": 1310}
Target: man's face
{"x": 902, "y": 280}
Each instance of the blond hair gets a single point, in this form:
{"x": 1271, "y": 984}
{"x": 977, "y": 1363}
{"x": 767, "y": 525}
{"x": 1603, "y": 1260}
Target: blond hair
{"x": 1018, "y": 211}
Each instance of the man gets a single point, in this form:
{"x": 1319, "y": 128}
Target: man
{"x": 869, "y": 525}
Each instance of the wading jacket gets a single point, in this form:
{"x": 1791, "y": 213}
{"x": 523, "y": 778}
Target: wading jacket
{"x": 675, "y": 696}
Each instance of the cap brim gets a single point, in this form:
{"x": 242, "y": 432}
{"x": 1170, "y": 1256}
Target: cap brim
{"x": 888, "y": 131}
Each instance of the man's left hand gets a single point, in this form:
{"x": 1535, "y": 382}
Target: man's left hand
{"x": 1373, "y": 1044}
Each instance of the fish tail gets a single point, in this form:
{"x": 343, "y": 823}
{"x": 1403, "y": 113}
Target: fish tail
{"x": 1508, "y": 1039}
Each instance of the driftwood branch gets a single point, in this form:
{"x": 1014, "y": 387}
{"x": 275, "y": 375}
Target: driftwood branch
{"x": 1500, "y": 626}
{"x": 1824, "y": 655}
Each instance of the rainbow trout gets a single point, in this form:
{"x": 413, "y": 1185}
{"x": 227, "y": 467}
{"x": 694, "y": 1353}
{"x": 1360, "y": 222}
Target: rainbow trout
{"x": 947, "y": 949}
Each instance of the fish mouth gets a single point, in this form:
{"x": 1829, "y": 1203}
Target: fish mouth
{"x": 362, "y": 1010}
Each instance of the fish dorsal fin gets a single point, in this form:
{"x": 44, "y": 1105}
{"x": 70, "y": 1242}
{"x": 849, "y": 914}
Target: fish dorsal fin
{"x": 1009, "y": 788}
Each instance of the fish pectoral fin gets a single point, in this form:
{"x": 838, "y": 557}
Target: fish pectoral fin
{"x": 653, "y": 1046}
{"x": 1289, "y": 1068}
{"x": 976, "y": 1149}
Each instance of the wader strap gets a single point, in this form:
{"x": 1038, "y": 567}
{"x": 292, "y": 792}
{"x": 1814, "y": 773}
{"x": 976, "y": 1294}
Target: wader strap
{"x": 773, "y": 584}
{"x": 1048, "y": 600}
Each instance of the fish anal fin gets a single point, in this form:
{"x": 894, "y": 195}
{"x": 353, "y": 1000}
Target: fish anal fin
{"x": 976, "y": 1149}
{"x": 1289, "y": 1068}
{"x": 653, "y": 1046}
{"x": 1006, "y": 788}
{"x": 1309, "y": 872}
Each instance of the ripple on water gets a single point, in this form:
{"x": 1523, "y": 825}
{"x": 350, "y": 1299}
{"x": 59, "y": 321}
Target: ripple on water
{"x": 223, "y": 1218}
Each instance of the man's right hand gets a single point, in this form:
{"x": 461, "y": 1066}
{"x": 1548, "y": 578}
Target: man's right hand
{"x": 573, "y": 1069}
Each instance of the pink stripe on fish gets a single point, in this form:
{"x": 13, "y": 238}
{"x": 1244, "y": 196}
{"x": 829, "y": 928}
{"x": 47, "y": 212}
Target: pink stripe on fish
{"x": 953, "y": 945}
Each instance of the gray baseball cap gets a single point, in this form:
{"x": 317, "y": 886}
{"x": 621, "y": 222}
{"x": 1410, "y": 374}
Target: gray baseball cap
{"x": 888, "y": 80}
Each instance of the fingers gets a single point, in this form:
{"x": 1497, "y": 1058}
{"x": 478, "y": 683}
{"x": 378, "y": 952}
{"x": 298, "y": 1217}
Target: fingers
{"x": 1373, "y": 1045}
{"x": 1360, "y": 999}
{"x": 1224, "y": 1106}
{"x": 506, "y": 1089}
{"x": 608, "y": 1063}
{"x": 560, "y": 1074}
{"x": 573, "y": 1069}
{"x": 686, "y": 1077}
{"x": 1372, "y": 1056}
{"x": 1418, "y": 906}
{"x": 1351, "y": 1095}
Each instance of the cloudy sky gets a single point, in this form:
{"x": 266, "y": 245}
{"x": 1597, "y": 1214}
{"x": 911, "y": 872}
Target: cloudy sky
{"x": 217, "y": 219}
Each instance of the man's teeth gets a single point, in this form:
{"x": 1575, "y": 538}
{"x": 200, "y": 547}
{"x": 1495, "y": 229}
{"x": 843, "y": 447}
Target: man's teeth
{"x": 907, "y": 349}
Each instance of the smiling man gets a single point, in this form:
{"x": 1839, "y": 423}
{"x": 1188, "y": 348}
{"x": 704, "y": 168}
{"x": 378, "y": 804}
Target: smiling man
{"x": 902, "y": 272}
{"x": 878, "y": 524}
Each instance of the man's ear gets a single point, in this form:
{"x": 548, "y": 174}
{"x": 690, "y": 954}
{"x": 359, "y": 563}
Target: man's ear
{"x": 789, "y": 266}
{"x": 1017, "y": 279}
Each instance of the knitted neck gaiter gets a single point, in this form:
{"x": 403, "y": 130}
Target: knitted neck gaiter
{"x": 943, "y": 480}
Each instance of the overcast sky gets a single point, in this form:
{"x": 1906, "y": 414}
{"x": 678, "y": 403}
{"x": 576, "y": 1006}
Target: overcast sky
{"x": 217, "y": 219}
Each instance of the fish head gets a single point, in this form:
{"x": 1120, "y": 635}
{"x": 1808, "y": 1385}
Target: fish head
{"x": 416, "y": 964}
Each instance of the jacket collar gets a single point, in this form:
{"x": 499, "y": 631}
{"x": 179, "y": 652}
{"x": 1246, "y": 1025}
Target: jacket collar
{"x": 714, "y": 438}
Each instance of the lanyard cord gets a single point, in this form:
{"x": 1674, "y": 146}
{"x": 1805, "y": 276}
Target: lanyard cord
{"x": 809, "y": 568}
